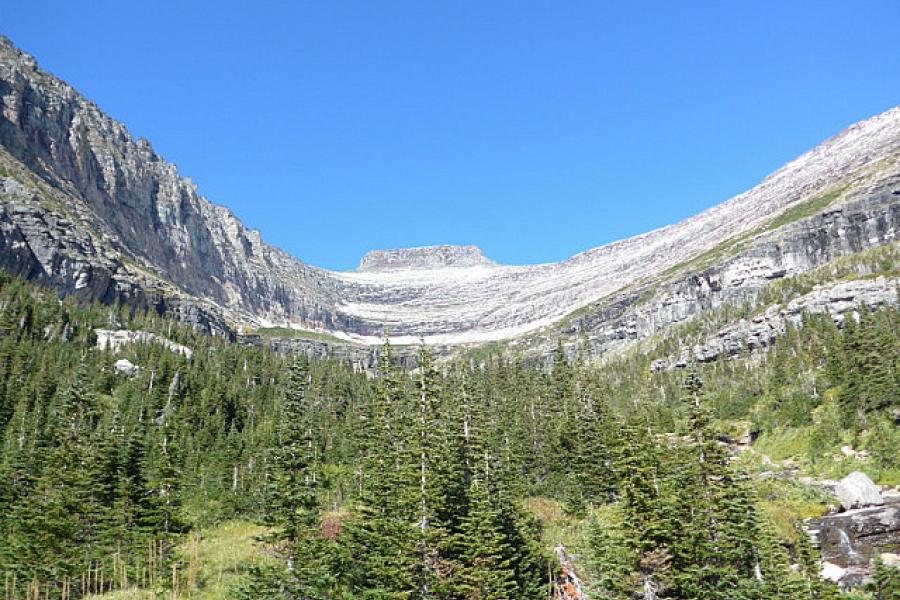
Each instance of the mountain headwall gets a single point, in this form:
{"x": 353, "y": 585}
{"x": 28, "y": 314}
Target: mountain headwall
{"x": 95, "y": 213}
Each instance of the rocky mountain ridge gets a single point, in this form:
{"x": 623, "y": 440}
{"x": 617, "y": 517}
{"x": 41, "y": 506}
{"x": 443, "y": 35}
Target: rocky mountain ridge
{"x": 89, "y": 210}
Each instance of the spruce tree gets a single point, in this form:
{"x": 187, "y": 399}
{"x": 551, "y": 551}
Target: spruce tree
{"x": 293, "y": 500}
{"x": 379, "y": 546}
{"x": 885, "y": 580}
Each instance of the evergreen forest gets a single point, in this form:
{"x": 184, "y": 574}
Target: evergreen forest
{"x": 241, "y": 473}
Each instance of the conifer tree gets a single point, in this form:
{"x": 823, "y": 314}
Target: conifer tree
{"x": 380, "y": 544}
{"x": 56, "y": 520}
{"x": 293, "y": 499}
{"x": 885, "y": 580}
{"x": 489, "y": 573}
{"x": 591, "y": 466}
{"x": 441, "y": 472}
{"x": 809, "y": 585}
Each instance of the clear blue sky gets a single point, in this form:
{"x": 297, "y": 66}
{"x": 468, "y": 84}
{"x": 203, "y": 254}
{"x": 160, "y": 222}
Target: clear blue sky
{"x": 532, "y": 129}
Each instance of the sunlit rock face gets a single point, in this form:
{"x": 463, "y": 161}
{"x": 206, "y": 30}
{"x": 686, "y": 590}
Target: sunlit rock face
{"x": 88, "y": 209}
{"x": 840, "y": 300}
{"x": 423, "y": 259}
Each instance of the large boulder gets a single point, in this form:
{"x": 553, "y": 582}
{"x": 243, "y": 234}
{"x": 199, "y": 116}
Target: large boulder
{"x": 856, "y": 490}
{"x": 126, "y": 367}
{"x": 832, "y": 572}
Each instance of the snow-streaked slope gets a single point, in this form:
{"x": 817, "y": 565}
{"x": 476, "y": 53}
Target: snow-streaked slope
{"x": 96, "y": 213}
{"x": 489, "y": 302}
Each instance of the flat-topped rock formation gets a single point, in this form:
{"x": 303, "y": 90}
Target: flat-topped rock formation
{"x": 423, "y": 258}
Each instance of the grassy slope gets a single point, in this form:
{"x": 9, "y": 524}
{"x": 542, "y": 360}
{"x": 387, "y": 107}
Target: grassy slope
{"x": 210, "y": 560}
{"x": 298, "y": 334}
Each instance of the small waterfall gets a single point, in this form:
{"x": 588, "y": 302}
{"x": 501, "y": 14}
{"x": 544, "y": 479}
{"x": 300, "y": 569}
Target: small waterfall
{"x": 845, "y": 542}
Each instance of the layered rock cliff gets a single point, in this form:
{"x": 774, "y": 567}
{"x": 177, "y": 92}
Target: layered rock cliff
{"x": 739, "y": 269}
{"x": 759, "y": 332}
{"x": 92, "y": 211}
{"x": 424, "y": 258}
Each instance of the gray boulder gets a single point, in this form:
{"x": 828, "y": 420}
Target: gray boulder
{"x": 126, "y": 367}
{"x": 856, "y": 490}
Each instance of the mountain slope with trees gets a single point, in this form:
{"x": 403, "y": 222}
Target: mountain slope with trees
{"x": 421, "y": 484}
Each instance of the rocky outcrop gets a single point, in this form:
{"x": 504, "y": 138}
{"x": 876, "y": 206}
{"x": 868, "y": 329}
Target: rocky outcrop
{"x": 95, "y": 213}
{"x": 115, "y": 340}
{"x": 891, "y": 559}
{"x": 851, "y": 539}
{"x": 125, "y": 367}
{"x": 567, "y": 585}
{"x": 759, "y": 332}
{"x": 737, "y": 278}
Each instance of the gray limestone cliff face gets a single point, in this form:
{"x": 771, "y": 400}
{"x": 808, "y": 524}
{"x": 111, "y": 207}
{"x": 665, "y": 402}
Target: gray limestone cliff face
{"x": 838, "y": 300}
{"x": 871, "y": 219}
{"x": 135, "y": 205}
{"x": 95, "y": 213}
